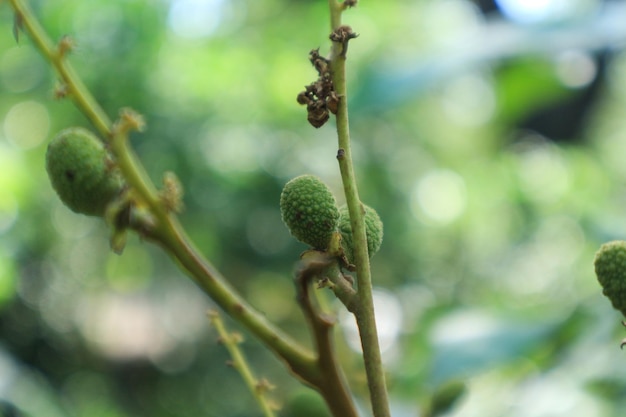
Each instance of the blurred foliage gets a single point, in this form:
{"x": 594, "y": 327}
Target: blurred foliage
{"x": 492, "y": 150}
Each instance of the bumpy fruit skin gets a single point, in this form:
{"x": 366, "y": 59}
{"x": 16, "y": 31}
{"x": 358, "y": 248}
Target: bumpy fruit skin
{"x": 373, "y": 231}
{"x": 309, "y": 210}
{"x": 610, "y": 266}
{"x": 82, "y": 172}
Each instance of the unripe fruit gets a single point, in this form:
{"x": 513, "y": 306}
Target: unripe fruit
{"x": 610, "y": 266}
{"x": 373, "y": 231}
{"x": 82, "y": 172}
{"x": 309, "y": 210}
{"x": 306, "y": 403}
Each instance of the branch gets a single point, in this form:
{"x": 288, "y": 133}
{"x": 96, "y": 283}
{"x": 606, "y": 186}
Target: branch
{"x": 258, "y": 388}
{"x": 364, "y": 311}
{"x": 333, "y": 387}
{"x": 166, "y": 231}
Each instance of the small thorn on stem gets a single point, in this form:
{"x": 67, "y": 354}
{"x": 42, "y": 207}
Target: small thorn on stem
{"x": 129, "y": 120}
{"x": 61, "y": 91}
{"x": 66, "y": 45}
{"x": 263, "y": 386}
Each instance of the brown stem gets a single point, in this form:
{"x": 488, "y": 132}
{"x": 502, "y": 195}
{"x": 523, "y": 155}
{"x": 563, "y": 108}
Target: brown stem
{"x": 332, "y": 384}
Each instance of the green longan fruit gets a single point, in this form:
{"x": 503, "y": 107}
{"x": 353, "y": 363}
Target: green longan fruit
{"x": 309, "y": 211}
{"x": 306, "y": 403}
{"x": 82, "y": 172}
{"x": 373, "y": 231}
{"x": 610, "y": 266}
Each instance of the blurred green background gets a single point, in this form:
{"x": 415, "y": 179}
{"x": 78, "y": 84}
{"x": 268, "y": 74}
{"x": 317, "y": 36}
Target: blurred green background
{"x": 490, "y": 136}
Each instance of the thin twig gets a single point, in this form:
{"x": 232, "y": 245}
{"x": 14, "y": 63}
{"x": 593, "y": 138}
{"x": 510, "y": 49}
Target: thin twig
{"x": 258, "y": 388}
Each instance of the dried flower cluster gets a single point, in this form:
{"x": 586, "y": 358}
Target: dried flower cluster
{"x": 343, "y": 35}
{"x": 319, "y": 97}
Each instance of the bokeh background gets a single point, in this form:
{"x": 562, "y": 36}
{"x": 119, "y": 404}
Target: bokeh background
{"x": 490, "y": 136}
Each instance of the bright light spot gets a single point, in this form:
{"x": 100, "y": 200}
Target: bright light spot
{"x": 463, "y": 327}
{"x": 469, "y": 100}
{"x": 27, "y": 124}
{"x": 535, "y": 395}
{"x": 163, "y": 328}
{"x": 538, "y": 11}
{"x": 576, "y": 69}
{"x": 233, "y": 150}
{"x": 543, "y": 173}
{"x": 195, "y": 18}
{"x": 447, "y": 21}
{"x": 389, "y": 318}
{"x": 440, "y": 196}
{"x": 536, "y": 398}
{"x": 526, "y": 10}
{"x": 123, "y": 327}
